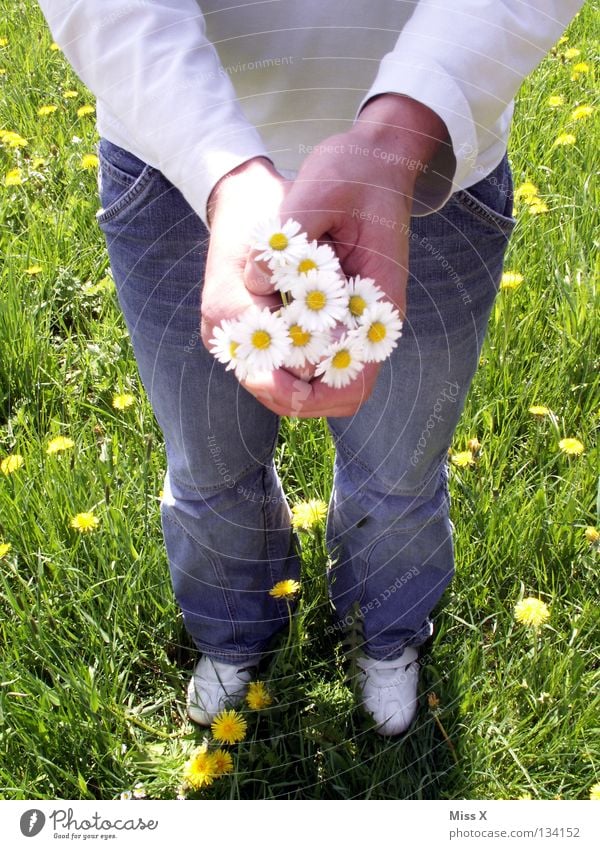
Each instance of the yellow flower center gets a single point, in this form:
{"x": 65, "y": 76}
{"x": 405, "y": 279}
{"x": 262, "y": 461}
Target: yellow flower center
{"x": 357, "y": 305}
{"x": 377, "y": 332}
{"x": 278, "y": 241}
{"x": 306, "y": 265}
{"x": 342, "y": 359}
{"x": 299, "y": 337}
{"x": 233, "y": 346}
{"x": 261, "y": 339}
{"x": 316, "y": 300}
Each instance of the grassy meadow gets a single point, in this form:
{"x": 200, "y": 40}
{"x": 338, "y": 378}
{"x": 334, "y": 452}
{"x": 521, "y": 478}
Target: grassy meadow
{"x": 94, "y": 659}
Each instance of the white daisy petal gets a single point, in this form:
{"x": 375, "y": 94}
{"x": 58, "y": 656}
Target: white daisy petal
{"x": 306, "y": 346}
{"x": 343, "y": 363}
{"x": 264, "y": 341}
{"x": 313, "y": 257}
{"x": 362, "y": 293}
{"x": 320, "y": 300}
{"x": 225, "y": 342}
{"x": 278, "y": 244}
{"x": 379, "y": 329}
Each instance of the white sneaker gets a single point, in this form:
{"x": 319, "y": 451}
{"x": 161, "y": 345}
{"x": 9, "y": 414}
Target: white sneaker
{"x": 215, "y": 686}
{"x": 389, "y": 690}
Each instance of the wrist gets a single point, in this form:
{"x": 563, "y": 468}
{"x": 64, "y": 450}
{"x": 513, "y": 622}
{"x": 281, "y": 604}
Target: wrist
{"x": 400, "y": 124}
{"x": 241, "y": 181}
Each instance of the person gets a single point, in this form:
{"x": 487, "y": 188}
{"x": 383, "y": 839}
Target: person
{"x": 382, "y": 130}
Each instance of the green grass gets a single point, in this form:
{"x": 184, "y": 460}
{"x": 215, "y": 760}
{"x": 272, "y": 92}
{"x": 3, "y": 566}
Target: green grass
{"x": 94, "y": 658}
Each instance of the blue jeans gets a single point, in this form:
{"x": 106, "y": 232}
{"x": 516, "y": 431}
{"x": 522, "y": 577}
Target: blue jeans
{"x": 225, "y": 517}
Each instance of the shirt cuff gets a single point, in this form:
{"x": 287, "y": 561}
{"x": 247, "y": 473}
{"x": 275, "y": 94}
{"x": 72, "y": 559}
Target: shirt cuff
{"x": 424, "y": 80}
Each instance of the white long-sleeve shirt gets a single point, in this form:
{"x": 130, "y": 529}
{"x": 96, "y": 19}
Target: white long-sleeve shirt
{"x": 197, "y": 88}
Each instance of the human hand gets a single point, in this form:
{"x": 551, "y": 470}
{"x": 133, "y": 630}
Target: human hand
{"x": 243, "y": 197}
{"x": 355, "y": 191}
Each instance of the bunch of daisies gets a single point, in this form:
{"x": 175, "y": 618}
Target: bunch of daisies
{"x": 326, "y": 320}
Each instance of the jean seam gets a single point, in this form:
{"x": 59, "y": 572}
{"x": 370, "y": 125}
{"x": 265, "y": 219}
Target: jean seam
{"x": 428, "y": 476}
{"x": 135, "y": 190}
{"x": 220, "y": 487}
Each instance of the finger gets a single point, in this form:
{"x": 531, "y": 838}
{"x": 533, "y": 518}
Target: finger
{"x": 257, "y": 277}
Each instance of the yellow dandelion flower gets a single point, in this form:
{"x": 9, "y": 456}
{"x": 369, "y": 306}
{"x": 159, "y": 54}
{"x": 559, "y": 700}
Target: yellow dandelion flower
{"x": 90, "y": 160}
{"x": 13, "y": 177}
{"x": 54, "y": 46}
{"x": 85, "y": 110}
{"x": 84, "y": 522}
{"x": 569, "y": 445}
{"x": 285, "y": 589}
{"x": 37, "y": 162}
{"x": 592, "y": 535}
{"x": 537, "y": 208}
{"x": 580, "y": 112}
{"x": 572, "y": 53}
{"x": 33, "y": 270}
{"x": 5, "y": 547}
{"x": 222, "y": 762}
{"x": 258, "y": 697}
{"x": 511, "y": 280}
{"x": 59, "y": 443}
{"x": 11, "y": 463}
{"x": 531, "y": 612}
{"x": 12, "y": 139}
{"x": 3, "y": 41}
{"x": 595, "y": 792}
{"x": 46, "y": 110}
{"x": 229, "y": 727}
{"x": 308, "y": 514}
{"x": 463, "y": 458}
{"x": 581, "y": 68}
{"x": 70, "y": 93}
{"x": 526, "y": 191}
{"x": 564, "y": 140}
{"x": 122, "y": 400}
{"x": 2, "y": 72}
{"x": 555, "y": 100}
{"x": 199, "y": 770}
{"x": 539, "y": 410}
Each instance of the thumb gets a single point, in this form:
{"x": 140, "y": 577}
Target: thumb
{"x": 304, "y": 202}
{"x": 257, "y": 277}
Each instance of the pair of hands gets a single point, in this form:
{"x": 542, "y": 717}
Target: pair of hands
{"x": 354, "y": 191}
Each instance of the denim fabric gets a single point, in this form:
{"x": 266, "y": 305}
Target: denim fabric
{"x": 225, "y": 518}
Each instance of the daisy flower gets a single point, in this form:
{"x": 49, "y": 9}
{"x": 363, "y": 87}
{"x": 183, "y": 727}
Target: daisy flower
{"x": 308, "y": 514}
{"x": 84, "y": 522}
{"x": 320, "y": 301}
{"x": 225, "y": 344}
{"x": 229, "y": 726}
{"x": 362, "y": 293}
{"x": 278, "y": 244}
{"x": 285, "y": 589}
{"x": 258, "y": 697}
{"x": 531, "y": 612}
{"x": 312, "y": 257}
{"x": 264, "y": 340}
{"x": 305, "y": 346}
{"x": 379, "y": 330}
{"x": 343, "y": 363}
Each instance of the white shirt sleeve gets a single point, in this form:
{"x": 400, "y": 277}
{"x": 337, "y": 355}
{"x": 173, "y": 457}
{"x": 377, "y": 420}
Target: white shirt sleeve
{"x": 153, "y": 66}
{"x": 466, "y": 60}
